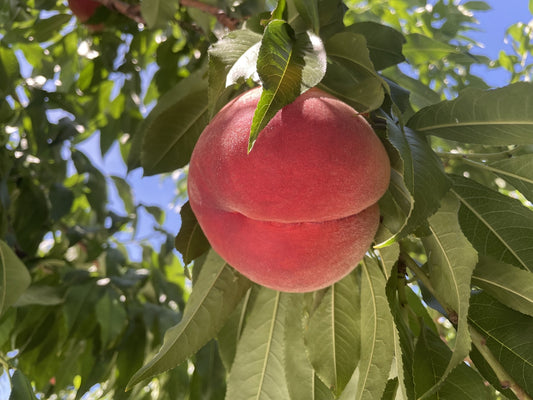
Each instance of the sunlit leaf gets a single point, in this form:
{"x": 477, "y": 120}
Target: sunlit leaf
{"x": 21, "y": 387}
{"x": 350, "y": 75}
{"x": 377, "y": 337}
{"x": 508, "y": 336}
{"x": 510, "y": 285}
{"x": 174, "y": 125}
{"x": 298, "y": 369}
{"x": 491, "y": 117}
{"x": 495, "y": 224}
{"x": 518, "y": 171}
{"x": 190, "y": 241}
{"x": 216, "y": 293}
{"x": 14, "y": 277}
{"x": 333, "y": 335}
{"x": 287, "y": 64}
{"x": 451, "y": 260}
{"x": 258, "y": 370}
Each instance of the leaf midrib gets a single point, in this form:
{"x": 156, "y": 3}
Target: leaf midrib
{"x": 472, "y": 123}
{"x": 501, "y": 286}
{"x": 489, "y": 227}
{"x": 269, "y": 344}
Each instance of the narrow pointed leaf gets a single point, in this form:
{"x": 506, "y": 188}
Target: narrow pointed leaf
{"x": 190, "y": 241}
{"x": 21, "y": 387}
{"x": 287, "y": 64}
{"x": 431, "y": 357}
{"x": 505, "y": 236}
{"x": 14, "y": 277}
{"x": 377, "y": 336}
{"x": 451, "y": 260}
{"x": 420, "y": 95}
{"x": 308, "y": 9}
{"x": 492, "y": 117}
{"x": 333, "y": 335}
{"x": 298, "y": 369}
{"x": 216, "y": 293}
{"x": 508, "y": 335}
{"x": 232, "y": 58}
{"x": 510, "y": 285}
{"x": 258, "y": 371}
{"x": 174, "y": 126}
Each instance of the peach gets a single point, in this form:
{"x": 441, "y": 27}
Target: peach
{"x": 299, "y": 211}
{"x": 84, "y": 10}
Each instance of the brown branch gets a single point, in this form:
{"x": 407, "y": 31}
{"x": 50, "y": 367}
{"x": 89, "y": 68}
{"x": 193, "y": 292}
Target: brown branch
{"x": 229, "y": 22}
{"x": 133, "y": 11}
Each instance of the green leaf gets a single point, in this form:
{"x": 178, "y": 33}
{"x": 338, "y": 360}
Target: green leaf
{"x": 504, "y": 236}
{"x": 111, "y": 316}
{"x": 125, "y": 193}
{"x": 30, "y": 213}
{"x": 350, "y": 75}
{"x": 377, "y": 337}
{"x": 45, "y": 29}
{"x": 287, "y": 64}
{"x": 298, "y": 369}
{"x": 420, "y": 49}
{"x": 9, "y": 70}
{"x": 420, "y": 95}
{"x": 384, "y": 43}
{"x": 21, "y": 387}
{"x": 216, "y": 293}
{"x": 510, "y": 285}
{"x": 518, "y": 171}
{"x": 258, "y": 371}
{"x": 14, "y": 277}
{"x": 333, "y": 334}
{"x": 451, "y": 261}
{"x": 157, "y": 13}
{"x": 231, "y": 59}
{"x": 491, "y": 117}
{"x": 174, "y": 126}
{"x": 308, "y": 9}
{"x": 190, "y": 241}
{"x": 41, "y": 295}
{"x": 477, "y": 5}
{"x": 430, "y": 182}
{"x": 431, "y": 358}
{"x": 508, "y": 336}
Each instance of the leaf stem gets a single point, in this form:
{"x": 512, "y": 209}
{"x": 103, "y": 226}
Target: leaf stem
{"x": 505, "y": 379}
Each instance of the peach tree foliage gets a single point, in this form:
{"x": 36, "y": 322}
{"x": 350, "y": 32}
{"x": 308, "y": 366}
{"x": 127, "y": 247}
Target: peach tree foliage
{"x": 449, "y": 275}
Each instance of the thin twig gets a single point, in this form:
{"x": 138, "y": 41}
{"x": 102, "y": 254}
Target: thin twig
{"x": 505, "y": 379}
{"x": 132, "y": 11}
{"x": 478, "y": 340}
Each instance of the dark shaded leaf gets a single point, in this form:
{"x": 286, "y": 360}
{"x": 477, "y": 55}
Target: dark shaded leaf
{"x": 190, "y": 241}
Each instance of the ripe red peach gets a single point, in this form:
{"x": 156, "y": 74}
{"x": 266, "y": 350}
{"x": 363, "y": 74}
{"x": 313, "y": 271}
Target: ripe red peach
{"x": 300, "y": 210}
{"x": 84, "y": 10}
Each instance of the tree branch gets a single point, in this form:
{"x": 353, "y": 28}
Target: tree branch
{"x": 478, "y": 340}
{"x": 505, "y": 379}
{"x": 133, "y": 11}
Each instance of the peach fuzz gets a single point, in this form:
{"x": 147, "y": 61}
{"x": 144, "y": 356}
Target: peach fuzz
{"x": 299, "y": 211}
